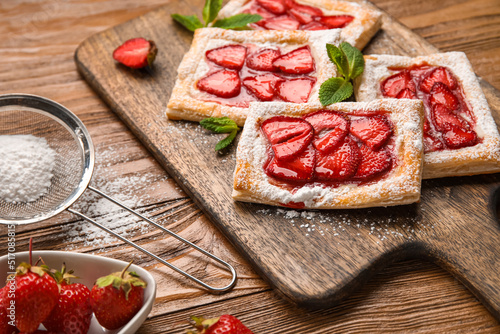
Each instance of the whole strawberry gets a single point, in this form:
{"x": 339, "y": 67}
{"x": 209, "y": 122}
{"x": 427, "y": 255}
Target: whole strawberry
{"x": 136, "y": 53}
{"x": 7, "y": 309}
{"x": 116, "y": 298}
{"x": 72, "y": 314}
{"x": 225, "y": 324}
{"x": 36, "y": 295}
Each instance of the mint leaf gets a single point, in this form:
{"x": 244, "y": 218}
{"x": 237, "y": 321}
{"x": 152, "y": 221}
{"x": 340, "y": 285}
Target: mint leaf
{"x": 355, "y": 59}
{"x": 189, "y": 22}
{"x": 237, "y": 21}
{"x": 334, "y": 90}
{"x": 338, "y": 57}
{"x": 210, "y": 10}
{"x": 226, "y": 141}
{"x": 219, "y": 124}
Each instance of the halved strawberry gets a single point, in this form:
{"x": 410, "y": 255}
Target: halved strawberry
{"x": 439, "y": 74}
{"x": 223, "y": 83}
{"x": 458, "y": 137}
{"x": 262, "y": 60}
{"x": 335, "y": 21}
{"x": 274, "y": 6}
{"x": 443, "y": 118}
{"x": 289, "y": 136}
{"x": 283, "y": 22}
{"x": 340, "y": 164}
{"x": 295, "y": 90}
{"x": 372, "y": 163}
{"x": 330, "y": 129}
{"x": 314, "y": 25}
{"x": 136, "y": 53}
{"x": 261, "y": 86}
{"x": 394, "y": 84}
{"x": 440, "y": 93}
{"x": 298, "y": 61}
{"x": 374, "y": 131}
{"x": 301, "y": 168}
{"x": 228, "y": 56}
{"x": 303, "y": 13}
{"x": 407, "y": 94}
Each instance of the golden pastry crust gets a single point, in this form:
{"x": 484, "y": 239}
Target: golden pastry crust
{"x": 482, "y": 158}
{"x": 186, "y": 101}
{"x": 400, "y": 186}
{"x": 367, "y": 21}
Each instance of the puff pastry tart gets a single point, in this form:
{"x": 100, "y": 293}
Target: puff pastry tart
{"x": 225, "y": 70}
{"x": 358, "y": 23}
{"x": 347, "y": 155}
{"x": 460, "y": 135}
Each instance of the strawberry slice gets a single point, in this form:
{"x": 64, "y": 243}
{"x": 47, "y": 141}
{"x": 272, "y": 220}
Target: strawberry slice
{"x": 256, "y": 9}
{"x": 223, "y": 83}
{"x": 262, "y": 60}
{"x": 314, "y": 25}
{"x": 439, "y": 74}
{"x": 295, "y": 90}
{"x": 283, "y": 22}
{"x": 335, "y": 21}
{"x": 229, "y": 56}
{"x": 330, "y": 129}
{"x": 274, "y": 6}
{"x": 372, "y": 163}
{"x": 440, "y": 93}
{"x": 298, "y": 61}
{"x": 407, "y": 94}
{"x": 340, "y": 164}
{"x": 289, "y": 136}
{"x": 303, "y": 13}
{"x": 444, "y": 119}
{"x": 458, "y": 137}
{"x": 136, "y": 53}
{"x": 262, "y": 86}
{"x": 374, "y": 131}
{"x": 394, "y": 84}
{"x": 301, "y": 168}
{"x": 432, "y": 144}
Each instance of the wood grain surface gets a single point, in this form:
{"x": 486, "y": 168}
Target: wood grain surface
{"x": 408, "y": 296}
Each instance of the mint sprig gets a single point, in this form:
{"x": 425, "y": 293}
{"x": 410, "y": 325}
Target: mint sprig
{"x": 210, "y": 11}
{"x": 350, "y": 64}
{"x": 221, "y": 125}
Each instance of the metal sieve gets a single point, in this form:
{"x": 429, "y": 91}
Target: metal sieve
{"x": 22, "y": 114}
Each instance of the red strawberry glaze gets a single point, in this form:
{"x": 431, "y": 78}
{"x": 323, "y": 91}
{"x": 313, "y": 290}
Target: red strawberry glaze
{"x": 449, "y": 120}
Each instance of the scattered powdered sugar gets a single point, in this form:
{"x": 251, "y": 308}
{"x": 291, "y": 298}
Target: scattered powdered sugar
{"x": 26, "y": 166}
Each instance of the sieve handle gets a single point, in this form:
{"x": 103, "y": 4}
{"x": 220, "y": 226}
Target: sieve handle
{"x": 205, "y": 285}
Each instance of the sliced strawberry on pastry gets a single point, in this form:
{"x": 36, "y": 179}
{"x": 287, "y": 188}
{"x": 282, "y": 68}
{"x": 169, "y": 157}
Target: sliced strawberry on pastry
{"x": 407, "y": 94}
{"x": 372, "y": 130}
{"x": 439, "y": 74}
{"x": 330, "y": 129}
{"x": 274, "y": 6}
{"x": 262, "y": 60}
{"x": 444, "y": 118}
{"x": 223, "y": 83}
{"x": 229, "y": 56}
{"x": 283, "y": 22}
{"x": 432, "y": 144}
{"x": 458, "y": 137}
{"x": 303, "y": 13}
{"x": 261, "y": 86}
{"x": 295, "y": 90}
{"x": 256, "y": 9}
{"x": 300, "y": 168}
{"x": 335, "y": 21}
{"x": 289, "y": 136}
{"x": 298, "y": 61}
{"x": 339, "y": 165}
{"x": 394, "y": 84}
{"x": 440, "y": 93}
{"x": 314, "y": 25}
{"x": 372, "y": 163}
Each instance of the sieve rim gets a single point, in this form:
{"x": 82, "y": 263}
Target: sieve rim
{"x": 82, "y": 137}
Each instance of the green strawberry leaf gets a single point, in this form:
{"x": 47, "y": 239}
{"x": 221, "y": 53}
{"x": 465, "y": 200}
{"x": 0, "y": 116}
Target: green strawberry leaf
{"x": 338, "y": 57}
{"x": 334, "y": 90}
{"x": 237, "y": 21}
{"x": 219, "y": 124}
{"x": 355, "y": 59}
{"x": 189, "y": 22}
{"x": 226, "y": 141}
{"x": 210, "y": 10}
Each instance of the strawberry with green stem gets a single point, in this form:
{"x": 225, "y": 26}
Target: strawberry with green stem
{"x": 225, "y": 324}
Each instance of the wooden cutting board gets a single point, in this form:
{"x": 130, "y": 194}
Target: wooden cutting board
{"x": 313, "y": 258}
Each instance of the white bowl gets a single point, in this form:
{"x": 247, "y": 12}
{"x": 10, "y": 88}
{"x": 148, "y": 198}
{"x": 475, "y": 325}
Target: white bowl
{"x": 89, "y": 268}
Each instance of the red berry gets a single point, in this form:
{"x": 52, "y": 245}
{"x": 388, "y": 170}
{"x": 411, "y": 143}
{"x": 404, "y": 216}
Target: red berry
{"x": 372, "y": 163}
{"x": 262, "y": 60}
{"x": 330, "y": 129}
{"x": 295, "y": 90}
{"x": 303, "y": 13}
{"x": 335, "y": 21}
{"x": 314, "y": 25}
{"x": 439, "y": 74}
{"x": 261, "y": 86}
{"x": 229, "y": 56}
{"x": 372, "y": 130}
{"x": 407, "y": 94}
{"x": 440, "y": 93}
{"x": 289, "y": 136}
{"x": 300, "y": 168}
{"x": 136, "y": 53}
{"x": 458, "y": 137}
{"x": 225, "y": 324}
{"x": 298, "y": 61}
{"x": 394, "y": 84}
{"x": 7, "y": 308}
{"x": 274, "y": 6}
{"x": 444, "y": 119}
{"x": 340, "y": 164}
{"x": 223, "y": 83}
{"x": 283, "y": 22}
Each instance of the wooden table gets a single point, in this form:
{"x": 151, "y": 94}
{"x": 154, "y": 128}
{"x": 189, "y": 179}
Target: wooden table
{"x": 36, "y": 57}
